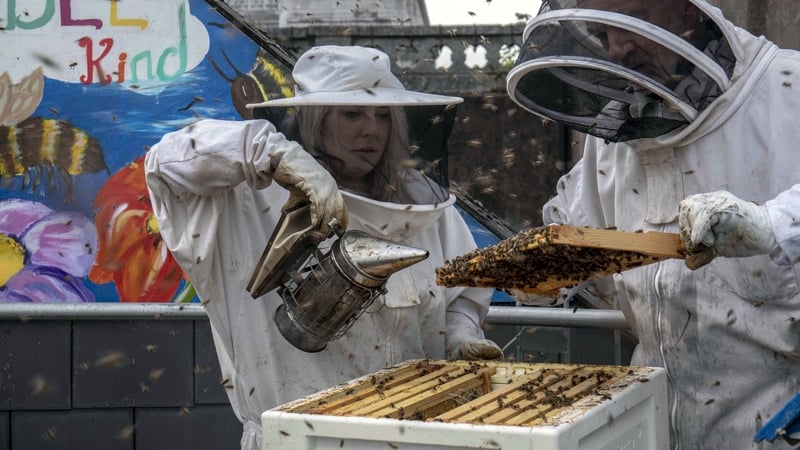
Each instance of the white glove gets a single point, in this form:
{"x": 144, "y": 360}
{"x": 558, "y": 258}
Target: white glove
{"x": 305, "y": 179}
{"x": 465, "y": 339}
{"x": 721, "y": 224}
{"x": 534, "y": 299}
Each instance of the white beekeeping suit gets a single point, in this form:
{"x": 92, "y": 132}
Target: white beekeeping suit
{"x": 704, "y": 145}
{"x": 212, "y": 192}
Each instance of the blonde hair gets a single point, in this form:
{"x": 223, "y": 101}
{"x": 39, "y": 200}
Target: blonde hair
{"x": 385, "y": 182}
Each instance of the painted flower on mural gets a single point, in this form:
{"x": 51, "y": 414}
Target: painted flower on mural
{"x": 131, "y": 253}
{"x": 44, "y": 254}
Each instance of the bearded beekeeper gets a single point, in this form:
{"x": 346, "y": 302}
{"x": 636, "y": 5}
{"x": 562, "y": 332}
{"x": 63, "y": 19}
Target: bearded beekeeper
{"x": 692, "y": 129}
{"x": 218, "y": 189}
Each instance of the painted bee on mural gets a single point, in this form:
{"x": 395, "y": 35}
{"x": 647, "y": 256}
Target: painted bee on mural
{"x": 265, "y": 80}
{"x": 37, "y": 148}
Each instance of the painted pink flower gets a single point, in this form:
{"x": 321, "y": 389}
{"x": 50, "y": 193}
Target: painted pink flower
{"x": 44, "y": 254}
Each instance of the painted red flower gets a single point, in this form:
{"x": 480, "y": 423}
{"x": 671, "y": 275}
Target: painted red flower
{"x": 131, "y": 252}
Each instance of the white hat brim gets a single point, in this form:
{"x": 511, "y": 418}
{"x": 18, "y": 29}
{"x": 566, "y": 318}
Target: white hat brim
{"x": 378, "y": 96}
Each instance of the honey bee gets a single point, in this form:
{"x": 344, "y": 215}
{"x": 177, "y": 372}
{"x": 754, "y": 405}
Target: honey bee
{"x": 38, "y": 146}
{"x": 31, "y": 146}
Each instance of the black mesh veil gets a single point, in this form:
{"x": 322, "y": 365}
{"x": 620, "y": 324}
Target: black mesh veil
{"x": 430, "y": 128}
{"x": 620, "y": 69}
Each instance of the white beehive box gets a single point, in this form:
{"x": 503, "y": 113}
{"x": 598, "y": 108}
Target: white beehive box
{"x": 426, "y": 405}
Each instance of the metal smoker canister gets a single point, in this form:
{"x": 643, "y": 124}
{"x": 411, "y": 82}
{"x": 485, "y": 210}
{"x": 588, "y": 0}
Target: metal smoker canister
{"x": 339, "y": 288}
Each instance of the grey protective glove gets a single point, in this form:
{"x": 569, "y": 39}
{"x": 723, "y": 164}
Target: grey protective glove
{"x": 721, "y": 224}
{"x": 307, "y": 180}
{"x": 465, "y": 339}
{"x": 534, "y": 299}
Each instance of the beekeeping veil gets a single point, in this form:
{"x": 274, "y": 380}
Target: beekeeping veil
{"x": 361, "y": 76}
{"x": 621, "y": 69}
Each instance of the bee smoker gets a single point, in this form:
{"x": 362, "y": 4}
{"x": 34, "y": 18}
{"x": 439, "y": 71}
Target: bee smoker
{"x": 324, "y": 293}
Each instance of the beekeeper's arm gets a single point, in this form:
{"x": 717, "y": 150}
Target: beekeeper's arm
{"x": 466, "y": 307}
{"x": 192, "y": 174}
{"x": 721, "y": 224}
{"x": 214, "y": 155}
{"x": 465, "y": 338}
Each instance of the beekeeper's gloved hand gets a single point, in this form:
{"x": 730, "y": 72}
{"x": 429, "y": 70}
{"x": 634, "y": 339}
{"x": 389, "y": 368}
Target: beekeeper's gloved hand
{"x": 298, "y": 172}
{"x": 536, "y": 299}
{"x": 465, "y": 339}
{"x": 721, "y": 224}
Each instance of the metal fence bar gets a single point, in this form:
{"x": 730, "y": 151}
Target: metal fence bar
{"x": 100, "y": 311}
{"x": 503, "y": 315}
{"x": 557, "y": 317}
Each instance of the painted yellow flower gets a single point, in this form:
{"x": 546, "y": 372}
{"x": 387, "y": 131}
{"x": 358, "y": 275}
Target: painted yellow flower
{"x": 44, "y": 254}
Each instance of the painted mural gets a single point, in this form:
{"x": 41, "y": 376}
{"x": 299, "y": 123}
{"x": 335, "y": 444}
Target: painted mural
{"x": 86, "y": 87}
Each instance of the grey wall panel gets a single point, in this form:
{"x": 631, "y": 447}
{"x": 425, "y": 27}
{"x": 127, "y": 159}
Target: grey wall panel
{"x": 5, "y": 431}
{"x": 598, "y": 346}
{"x": 34, "y": 367}
{"x": 205, "y": 427}
{"x": 106, "y": 429}
{"x": 132, "y": 363}
{"x": 208, "y": 388}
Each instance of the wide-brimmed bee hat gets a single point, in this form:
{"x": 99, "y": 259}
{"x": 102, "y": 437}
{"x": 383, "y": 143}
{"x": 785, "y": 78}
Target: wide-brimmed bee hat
{"x": 350, "y": 75}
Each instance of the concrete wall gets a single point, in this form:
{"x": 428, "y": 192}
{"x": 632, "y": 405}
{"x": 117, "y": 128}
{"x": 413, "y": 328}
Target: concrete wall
{"x": 121, "y": 384}
{"x": 778, "y": 20}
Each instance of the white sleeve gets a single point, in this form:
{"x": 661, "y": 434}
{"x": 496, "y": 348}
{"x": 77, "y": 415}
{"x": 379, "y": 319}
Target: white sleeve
{"x": 214, "y": 155}
{"x": 784, "y": 213}
{"x": 578, "y": 200}
{"x": 208, "y": 218}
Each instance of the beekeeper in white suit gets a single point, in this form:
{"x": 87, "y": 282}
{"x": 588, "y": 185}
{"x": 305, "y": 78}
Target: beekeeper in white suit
{"x": 212, "y": 190}
{"x": 692, "y": 126}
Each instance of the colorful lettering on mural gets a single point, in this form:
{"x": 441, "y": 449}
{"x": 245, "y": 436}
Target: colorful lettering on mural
{"x": 24, "y": 21}
{"x": 144, "y": 56}
{"x": 95, "y": 41}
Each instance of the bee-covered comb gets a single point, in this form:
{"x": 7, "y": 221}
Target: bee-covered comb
{"x": 545, "y": 259}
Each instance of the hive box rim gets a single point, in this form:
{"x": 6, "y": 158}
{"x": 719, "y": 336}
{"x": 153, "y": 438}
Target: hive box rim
{"x": 623, "y": 405}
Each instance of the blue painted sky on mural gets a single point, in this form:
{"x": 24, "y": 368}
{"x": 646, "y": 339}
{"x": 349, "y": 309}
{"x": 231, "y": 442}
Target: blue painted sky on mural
{"x": 127, "y": 123}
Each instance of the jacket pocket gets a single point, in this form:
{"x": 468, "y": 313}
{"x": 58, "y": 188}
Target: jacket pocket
{"x": 756, "y": 278}
{"x": 401, "y": 291}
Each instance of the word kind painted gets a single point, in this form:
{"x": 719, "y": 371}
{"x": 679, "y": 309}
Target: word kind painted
{"x": 148, "y": 42}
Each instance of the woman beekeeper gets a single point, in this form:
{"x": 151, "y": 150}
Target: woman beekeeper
{"x": 212, "y": 191}
{"x": 693, "y": 126}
